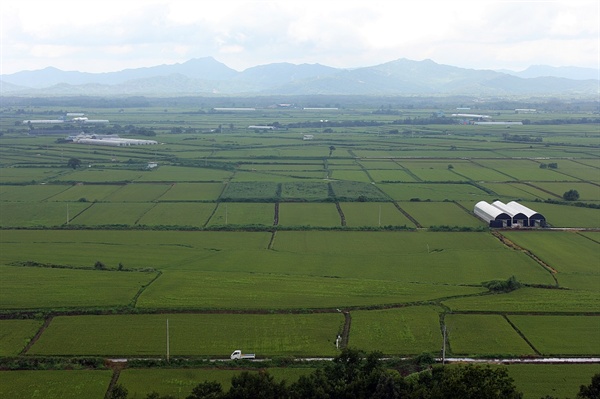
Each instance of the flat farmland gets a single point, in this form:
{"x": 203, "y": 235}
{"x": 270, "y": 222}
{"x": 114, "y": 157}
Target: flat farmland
{"x": 139, "y": 249}
{"x": 138, "y": 192}
{"x": 587, "y": 191}
{"x": 440, "y": 214}
{"x": 373, "y": 214}
{"x": 566, "y": 216}
{"x": 15, "y": 334}
{"x": 530, "y": 300}
{"x": 30, "y": 193}
{"x": 178, "y": 214}
{"x": 168, "y": 173}
{"x": 431, "y": 171}
{"x": 574, "y": 256}
{"x": 308, "y": 214}
{"x": 391, "y": 175}
{"x": 465, "y": 258}
{"x": 101, "y": 175}
{"x": 38, "y": 287}
{"x": 579, "y": 168}
{"x": 431, "y": 191}
{"x": 89, "y": 192}
{"x": 213, "y": 290}
{"x": 54, "y": 384}
{"x": 408, "y": 330}
{"x": 250, "y": 191}
{"x": 239, "y": 213}
{"x": 180, "y": 382}
{"x": 516, "y": 191}
{"x": 474, "y": 171}
{"x": 562, "y": 380}
{"x": 193, "y": 192}
{"x": 349, "y": 175}
{"x": 561, "y": 335}
{"x": 307, "y": 191}
{"x": 523, "y": 169}
{"x": 214, "y": 335}
{"x": 470, "y": 334}
{"x": 29, "y": 175}
{"x": 349, "y": 190}
{"x": 34, "y": 214}
{"x": 112, "y": 213}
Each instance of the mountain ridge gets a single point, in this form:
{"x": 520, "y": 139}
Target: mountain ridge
{"x": 207, "y": 76}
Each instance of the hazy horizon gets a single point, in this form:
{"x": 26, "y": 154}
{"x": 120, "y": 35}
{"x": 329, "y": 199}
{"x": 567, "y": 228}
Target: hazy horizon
{"x": 111, "y": 36}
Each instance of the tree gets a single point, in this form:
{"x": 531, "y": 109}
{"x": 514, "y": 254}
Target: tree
{"x": 331, "y": 149}
{"x": 99, "y": 265}
{"x": 74, "y": 163}
{"x": 119, "y": 392}
{"x": 259, "y": 385}
{"x": 571, "y": 195}
{"x": 468, "y": 382}
{"x": 591, "y": 391}
{"x": 207, "y": 390}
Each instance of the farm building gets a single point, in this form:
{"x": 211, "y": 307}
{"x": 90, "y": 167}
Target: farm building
{"x": 492, "y": 215}
{"x": 534, "y": 219}
{"x": 108, "y": 140}
{"x": 513, "y": 214}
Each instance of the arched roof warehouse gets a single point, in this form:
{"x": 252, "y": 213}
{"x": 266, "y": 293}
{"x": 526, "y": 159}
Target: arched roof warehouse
{"x": 492, "y": 215}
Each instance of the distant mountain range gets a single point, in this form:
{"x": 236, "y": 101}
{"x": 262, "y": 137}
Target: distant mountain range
{"x": 207, "y": 76}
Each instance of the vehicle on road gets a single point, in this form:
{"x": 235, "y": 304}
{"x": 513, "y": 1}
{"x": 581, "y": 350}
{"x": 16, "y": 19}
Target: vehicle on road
{"x": 237, "y": 354}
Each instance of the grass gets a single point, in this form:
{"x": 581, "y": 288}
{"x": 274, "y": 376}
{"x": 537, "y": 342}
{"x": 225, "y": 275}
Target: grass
{"x": 559, "y": 380}
{"x": 112, "y": 213}
{"x": 368, "y": 214}
{"x": 213, "y": 335}
{"x": 34, "y": 214}
{"x": 193, "y": 192}
{"x": 31, "y": 193}
{"x": 249, "y": 191}
{"x": 15, "y": 335}
{"x": 440, "y": 214}
{"x": 213, "y": 290}
{"x": 470, "y": 334}
{"x": 238, "y": 213}
{"x": 432, "y": 191}
{"x": 349, "y": 190}
{"x": 306, "y": 191}
{"x": 571, "y": 254}
{"x": 561, "y": 335}
{"x": 530, "y": 300}
{"x": 308, "y": 214}
{"x": 35, "y": 287}
{"x": 54, "y": 384}
{"x": 410, "y": 330}
{"x": 91, "y": 192}
{"x": 138, "y": 192}
{"x": 178, "y": 214}
{"x": 180, "y": 382}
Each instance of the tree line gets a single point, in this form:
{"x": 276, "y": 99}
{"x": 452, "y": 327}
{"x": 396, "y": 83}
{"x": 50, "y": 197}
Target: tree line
{"x": 354, "y": 375}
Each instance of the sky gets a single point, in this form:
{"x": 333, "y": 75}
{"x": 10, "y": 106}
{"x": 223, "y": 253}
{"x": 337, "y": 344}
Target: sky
{"x": 109, "y": 35}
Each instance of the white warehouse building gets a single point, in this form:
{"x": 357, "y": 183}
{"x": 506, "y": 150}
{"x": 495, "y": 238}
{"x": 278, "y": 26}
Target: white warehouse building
{"x": 512, "y": 214}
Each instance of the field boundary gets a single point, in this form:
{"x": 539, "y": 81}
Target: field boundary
{"x": 516, "y": 247}
{"x": 37, "y": 335}
{"x": 521, "y": 335}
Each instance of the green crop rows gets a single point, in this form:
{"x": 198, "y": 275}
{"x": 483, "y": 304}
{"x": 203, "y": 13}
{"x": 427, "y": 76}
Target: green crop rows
{"x": 266, "y": 242}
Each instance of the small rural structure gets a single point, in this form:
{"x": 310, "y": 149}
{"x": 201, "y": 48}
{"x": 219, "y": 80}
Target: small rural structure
{"x": 108, "y": 140}
{"x": 513, "y": 214}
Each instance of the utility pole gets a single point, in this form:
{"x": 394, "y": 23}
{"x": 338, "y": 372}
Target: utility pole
{"x": 444, "y": 346}
{"x": 167, "y": 340}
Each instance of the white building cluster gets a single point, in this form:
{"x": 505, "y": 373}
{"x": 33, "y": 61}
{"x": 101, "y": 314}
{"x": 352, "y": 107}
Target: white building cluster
{"x": 513, "y": 214}
{"x": 108, "y": 140}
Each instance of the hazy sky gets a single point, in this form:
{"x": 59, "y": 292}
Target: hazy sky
{"x": 103, "y": 36}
